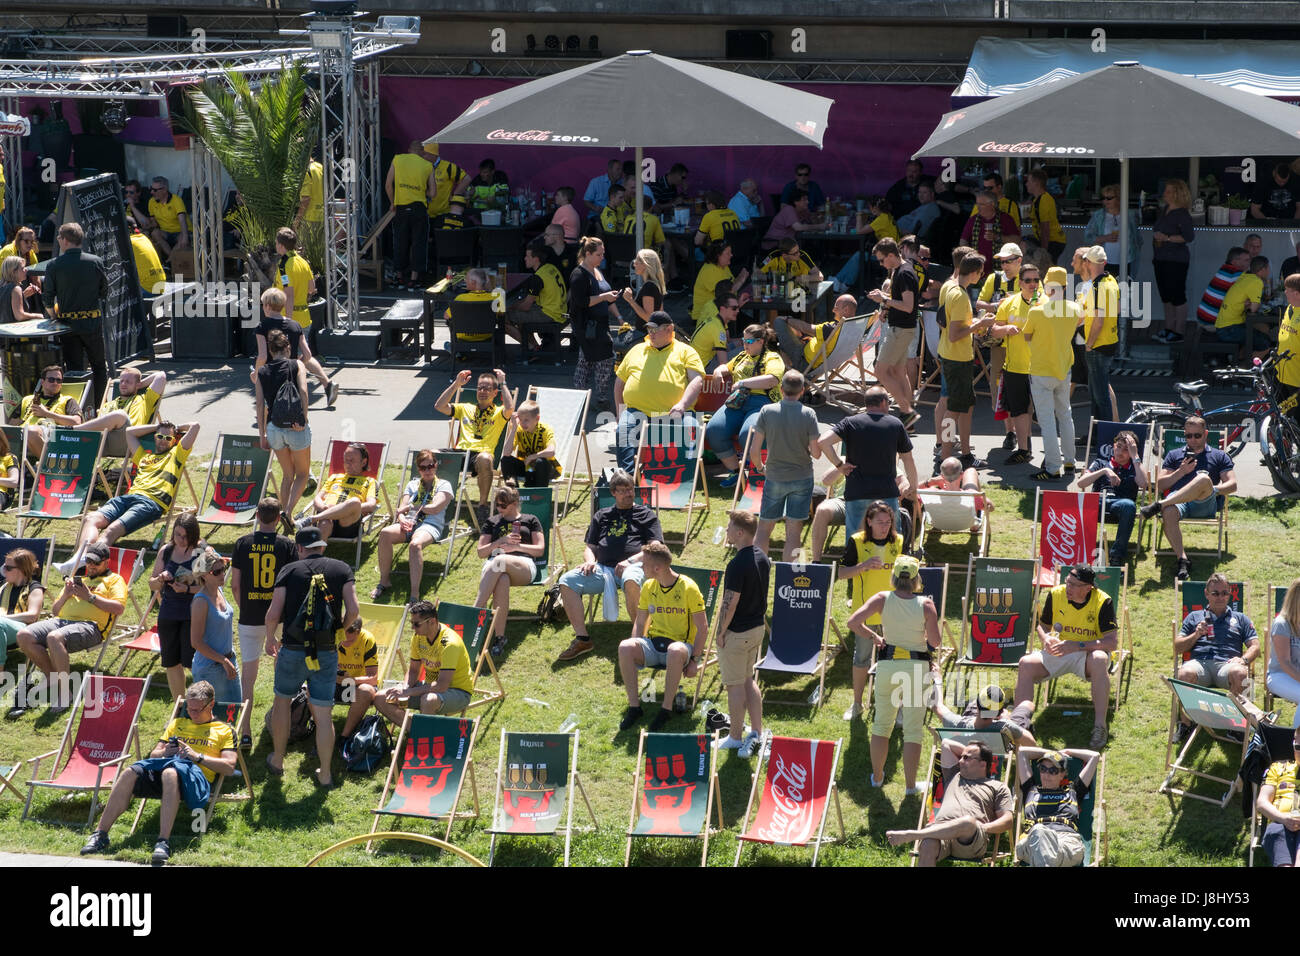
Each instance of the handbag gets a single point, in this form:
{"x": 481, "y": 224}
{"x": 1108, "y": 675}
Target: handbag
{"x": 738, "y": 397}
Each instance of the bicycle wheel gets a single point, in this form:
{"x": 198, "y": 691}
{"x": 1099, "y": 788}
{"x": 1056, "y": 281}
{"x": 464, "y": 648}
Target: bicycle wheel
{"x": 1280, "y": 443}
{"x": 1238, "y": 430}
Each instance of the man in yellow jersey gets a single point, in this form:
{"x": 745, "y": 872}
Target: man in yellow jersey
{"x": 311, "y": 200}
{"x": 152, "y": 492}
{"x": 957, "y": 357}
{"x": 346, "y": 498}
{"x": 148, "y": 267}
{"x": 669, "y": 631}
{"x": 46, "y": 404}
{"x": 293, "y": 276}
{"x": 1243, "y": 299}
{"x": 710, "y": 337}
{"x": 171, "y": 224}
{"x": 544, "y": 292}
{"x": 448, "y": 180}
{"x": 1042, "y": 215}
{"x": 1288, "y": 340}
{"x": 1100, "y": 302}
{"x": 440, "y": 653}
{"x": 658, "y": 377}
{"x": 614, "y": 214}
{"x": 481, "y": 423}
{"x": 358, "y": 675}
{"x": 806, "y": 345}
{"x": 137, "y": 401}
{"x": 1010, "y": 317}
{"x": 409, "y": 187}
{"x": 718, "y": 220}
{"x": 1078, "y": 632}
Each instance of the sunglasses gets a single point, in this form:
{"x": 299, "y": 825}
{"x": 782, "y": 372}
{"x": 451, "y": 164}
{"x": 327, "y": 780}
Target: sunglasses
{"x": 750, "y": 341}
{"x": 1029, "y": 281}
{"x": 11, "y": 567}
{"x": 428, "y": 467}
{"x": 1042, "y": 768}
{"x": 1193, "y": 434}
{"x": 486, "y": 388}
{"x": 51, "y": 378}
{"x": 1109, "y": 197}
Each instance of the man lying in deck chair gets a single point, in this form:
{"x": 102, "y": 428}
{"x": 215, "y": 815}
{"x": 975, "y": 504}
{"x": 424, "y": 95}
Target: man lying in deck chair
{"x": 974, "y": 806}
{"x": 137, "y": 399}
{"x": 191, "y": 752}
{"x": 952, "y": 477}
{"x": 346, "y": 498}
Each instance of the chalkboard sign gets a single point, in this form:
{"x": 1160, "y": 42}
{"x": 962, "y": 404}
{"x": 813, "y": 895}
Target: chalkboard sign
{"x": 96, "y": 204}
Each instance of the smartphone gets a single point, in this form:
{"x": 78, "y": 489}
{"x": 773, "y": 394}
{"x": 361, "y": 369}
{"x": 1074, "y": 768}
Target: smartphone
{"x": 76, "y": 581}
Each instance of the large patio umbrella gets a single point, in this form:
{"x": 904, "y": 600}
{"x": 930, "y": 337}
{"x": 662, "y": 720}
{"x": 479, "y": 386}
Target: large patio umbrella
{"x": 643, "y": 99}
{"x": 1123, "y": 111}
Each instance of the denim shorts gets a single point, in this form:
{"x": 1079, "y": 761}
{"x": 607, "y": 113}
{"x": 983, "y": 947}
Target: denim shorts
{"x": 1199, "y": 509}
{"x": 291, "y": 670}
{"x": 193, "y": 785}
{"x": 594, "y": 583}
{"x": 786, "y": 499}
{"x": 278, "y": 438}
{"x": 653, "y": 658}
{"x": 133, "y": 511}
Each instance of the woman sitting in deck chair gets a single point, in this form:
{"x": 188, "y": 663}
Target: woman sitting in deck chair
{"x": 1052, "y": 805}
{"x": 510, "y": 542}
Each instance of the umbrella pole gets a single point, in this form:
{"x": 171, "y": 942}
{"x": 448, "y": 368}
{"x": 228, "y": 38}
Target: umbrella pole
{"x": 640, "y": 202}
{"x": 1124, "y": 239}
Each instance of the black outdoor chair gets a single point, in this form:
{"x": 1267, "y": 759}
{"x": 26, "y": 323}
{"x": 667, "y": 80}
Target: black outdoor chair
{"x": 502, "y": 245}
{"x": 620, "y": 250}
{"x": 452, "y": 247}
{"x": 476, "y": 318}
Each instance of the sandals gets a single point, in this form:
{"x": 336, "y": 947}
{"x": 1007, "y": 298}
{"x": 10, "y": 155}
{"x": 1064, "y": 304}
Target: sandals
{"x": 379, "y": 591}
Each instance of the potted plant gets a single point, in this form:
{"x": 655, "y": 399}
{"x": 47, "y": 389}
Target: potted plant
{"x": 1237, "y": 207}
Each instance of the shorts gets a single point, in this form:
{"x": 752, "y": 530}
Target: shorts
{"x": 653, "y": 657}
{"x": 252, "y": 642}
{"x": 594, "y": 583}
{"x": 454, "y": 701}
{"x": 834, "y": 510}
{"x": 174, "y": 643}
{"x": 289, "y": 438}
{"x": 1074, "y": 663}
{"x": 895, "y": 345}
{"x": 1171, "y": 280}
{"x": 960, "y": 379}
{"x": 132, "y": 512}
{"x": 1280, "y": 844}
{"x": 345, "y": 690}
{"x": 1237, "y": 334}
{"x": 738, "y": 657}
{"x": 77, "y": 635}
{"x": 1207, "y": 673}
{"x": 227, "y": 689}
{"x": 474, "y": 456}
{"x": 901, "y": 685}
{"x": 348, "y": 531}
{"x": 863, "y": 647}
{"x": 1015, "y": 393}
{"x": 786, "y": 499}
{"x": 1205, "y": 508}
{"x": 974, "y": 850}
{"x": 291, "y": 672}
{"x": 193, "y": 785}
{"x": 1048, "y": 846}
{"x": 6, "y": 499}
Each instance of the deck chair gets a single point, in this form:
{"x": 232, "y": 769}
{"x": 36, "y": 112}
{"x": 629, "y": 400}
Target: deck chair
{"x": 997, "y": 613}
{"x": 65, "y": 478}
{"x": 428, "y": 771}
{"x": 565, "y": 411}
{"x": 1101, "y": 438}
{"x": 934, "y": 585}
{"x": 1191, "y": 598}
{"x": 107, "y": 716}
{"x": 1171, "y": 438}
{"x": 1276, "y": 745}
{"x": 130, "y": 632}
{"x": 1276, "y": 596}
{"x": 228, "y": 713}
{"x": 798, "y": 787}
{"x": 929, "y": 376}
{"x": 749, "y": 487}
{"x": 453, "y": 466}
{"x": 797, "y": 628}
{"x": 115, "y": 440}
{"x": 845, "y": 369}
{"x": 674, "y": 792}
{"x": 1068, "y": 529}
{"x": 674, "y": 472}
{"x": 7, "y": 775}
{"x": 1003, "y": 760}
{"x": 1215, "y": 712}
{"x": 603, "y": 497}
{"x": 387, "y": 624}
{"x": 370, "y": 254}
{"x": 42, "y": 548}
{"x": 954, "y": 512}
{"x": 17, "y": 438}
{"x": 1092, "y": 812}
{"x": 540, "y": 502}
{"x": 1113, "y": 582}
{"x": 236, "y": 481}
{"x": 126, "y": 477}
{"x": 537, "y": 776}
{"x": 333, "y": 464}
{"x": 473, "y": 625}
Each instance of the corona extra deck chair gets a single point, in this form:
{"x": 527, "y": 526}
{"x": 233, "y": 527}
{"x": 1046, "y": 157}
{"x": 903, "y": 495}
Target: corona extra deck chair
{"x": 1003, "y": 759}
{"x": 537, "y": 780}
{"x": 1171, "y": 438}
{"x": 1092, "y": 812}
{"x": 432, "y": 758}
{"x": 65, "y": 478}
{"x": 236, "y": 481}
{"x": 797, "y": 628}
{"x": 333, "y": 465}
{"x": 954, "y": 512}
{"x": 106, "y": 715}
{"x": 670, "y": 459}
{"x": 473, "y": 625}
{"x": 1216, "y": 713}
{"x": 564, "y": 411}
{"x": 674, "y": 791}
{"x": 1068, "y": 529}
{"x": 798, "y": 786}
{"x": 997, "y": 617}
{"x": 1113, "y": 582}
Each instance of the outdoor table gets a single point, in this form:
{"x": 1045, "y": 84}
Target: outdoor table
{"x": 781, "y": 305}
{"x": 27, "y": 348}
{"x": 824, "y": 238}
{"x": 437, "y": 299}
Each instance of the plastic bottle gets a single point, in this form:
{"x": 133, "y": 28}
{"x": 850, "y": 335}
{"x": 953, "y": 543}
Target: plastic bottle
{"x": 570, "y": 724}
{"x": 535, "y": 702}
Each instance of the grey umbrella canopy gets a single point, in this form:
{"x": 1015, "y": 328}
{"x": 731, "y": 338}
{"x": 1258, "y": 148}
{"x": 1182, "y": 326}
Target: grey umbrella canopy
{"x": 643, "y": 99}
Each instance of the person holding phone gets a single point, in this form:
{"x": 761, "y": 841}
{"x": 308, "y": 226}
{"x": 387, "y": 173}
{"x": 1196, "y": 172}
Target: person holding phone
{"x": 511, "y": 542}
{"x": 1121, "y": 476}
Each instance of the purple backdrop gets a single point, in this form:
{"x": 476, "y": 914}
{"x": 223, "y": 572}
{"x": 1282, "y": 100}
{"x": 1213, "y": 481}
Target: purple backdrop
{"x": 873, "y": 129}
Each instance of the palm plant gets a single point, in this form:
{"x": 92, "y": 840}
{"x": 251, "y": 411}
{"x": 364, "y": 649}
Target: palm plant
{"x": 264, "y": 138}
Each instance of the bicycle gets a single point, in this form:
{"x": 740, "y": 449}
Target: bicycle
{"x": 1260, "y": 419}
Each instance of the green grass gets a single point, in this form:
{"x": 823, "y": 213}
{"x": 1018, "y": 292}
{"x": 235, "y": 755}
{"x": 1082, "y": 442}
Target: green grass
{"x": 290, "y": 820}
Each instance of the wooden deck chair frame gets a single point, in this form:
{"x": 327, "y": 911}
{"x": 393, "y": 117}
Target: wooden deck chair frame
{"x": 554, "y": 540}
{"x": 1174, "y": 764}
{"x": 968, "y": 607}
{"x": 453, "y": 522}
{"x": 709, "y": 656}
{"x": 26, "y": 516}
{"x": 1097, "y": 848}
{"x": 1219, "y": 522}
{"x": 74, "y": 718}
{"x": 7, "y": 785}
{"x": 1046, "y": 573}
{"x": 832, "y": 794}
{"x": 570, "y": 442}
{"x": 1275, "y": 595}
{"x": 456, "y": 813}
{"x": 125, "y": 480}
{"x": 574, "y": 786}
{"x": 1239, "y": 604}
{"x": 851, "y": 345}
{"x": 17, "y": 436}
{"x": 1122, "y": 658}
{"x": 392, "y": 619}
{"x": 746, "y": 477}
{"x": 828, "y": 651}
{"x": 928, "y": 526}
{"x": 213, "y": 477}
{"x": 994, "y": 740}
{"x": 1257, "y": 824}
{"x": 696, "y": 479}
{"x": 217, "y": 796}
{"x": 712, "y": 804}
{"x": 377, "y": 519}
{"x": 480, "y": 655}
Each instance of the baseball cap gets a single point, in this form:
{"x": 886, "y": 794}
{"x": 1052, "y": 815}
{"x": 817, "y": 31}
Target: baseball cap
{"x": 431, "y": 147}
{"x": 1056, "y": 757}
{"x": 991, "y": 700}
{"x": 1009, "y": 251}
{"x": 906, "y": 567}
{"x": 96, "y": 552}
{"x": 1085, "y": 574}
{"x": 657, "y": 319}
{"x": 309, "y": 538}
{"x": 1095, "y": 253}
{"x": 1056, "y": 276}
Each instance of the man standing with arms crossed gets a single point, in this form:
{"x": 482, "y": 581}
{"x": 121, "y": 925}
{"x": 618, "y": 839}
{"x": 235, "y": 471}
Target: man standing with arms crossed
{"x": 740, "y": 632}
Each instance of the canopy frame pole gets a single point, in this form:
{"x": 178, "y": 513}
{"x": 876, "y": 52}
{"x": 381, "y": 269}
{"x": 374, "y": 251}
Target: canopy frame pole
{"x": 640, "y": 202}
{"x": 1124, "y": 239}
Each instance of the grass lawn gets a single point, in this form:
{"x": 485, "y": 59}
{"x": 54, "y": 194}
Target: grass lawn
{"x": 291, "y": 820}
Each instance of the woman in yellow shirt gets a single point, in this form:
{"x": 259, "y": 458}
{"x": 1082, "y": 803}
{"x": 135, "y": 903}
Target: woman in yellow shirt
{"x": 717, "y": 266}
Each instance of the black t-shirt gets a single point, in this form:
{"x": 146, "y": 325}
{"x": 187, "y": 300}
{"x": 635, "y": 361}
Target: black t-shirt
{"x": 615, "y": 535}
{"x": 564, "y": 261}
{"x": 901, "y": 280}
{"x": 590, "y": 324}
{"x": 1105, "y": 617}
{"x": 271, "y": 376}
{"x": 288, "y": 326}
{"x": 663, "y": 191}
{"x": 529, "y": 528}
{"x": 747, "y": 575}
{"x": 1290, "y": 267}
{"x": 1057, "y": 808}
{"x": 295, "y": 579}
{"x": 259, "y": 556}
{"x": 1276, "y": 202}
{"x": 872, "y": 442}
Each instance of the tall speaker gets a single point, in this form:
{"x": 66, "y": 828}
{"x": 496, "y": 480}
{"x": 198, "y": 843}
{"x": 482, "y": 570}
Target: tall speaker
{"x": 749, "y": 44}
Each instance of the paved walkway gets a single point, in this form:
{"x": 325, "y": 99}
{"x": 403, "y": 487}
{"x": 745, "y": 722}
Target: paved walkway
{"x": 41, "y": 860}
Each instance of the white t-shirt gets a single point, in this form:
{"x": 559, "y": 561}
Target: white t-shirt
{"x": 420, "y": 498}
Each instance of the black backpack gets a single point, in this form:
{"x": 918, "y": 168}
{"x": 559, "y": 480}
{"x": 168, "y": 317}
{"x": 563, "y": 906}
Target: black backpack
{"x": 369, "y": 746}
{"x": 301, "y": 723}
{"x": 286, "y": 409}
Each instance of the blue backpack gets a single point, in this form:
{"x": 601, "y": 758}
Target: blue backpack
{"x": 369, "y": 746}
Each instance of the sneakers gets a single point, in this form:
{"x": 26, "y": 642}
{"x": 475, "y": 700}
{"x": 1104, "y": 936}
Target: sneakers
{"x": 729, "y": 480}
{"x": 753, "y": 742}
{"x": 162, "y": 852}
{"x": 98, "y": 843}
{"x": 1098, "y": 738}
{"x": 1151, "y": 510}
{"x": 1184, "y": 569}
{"x": 1182, "y": 733}
{"x": 303, "y": 522}
{"x": 577, "y": 647}
{"x": 660, "y": 720}
{"x": 970, "y": 461}
{"x": 729, "y": 743}
{"x": 1043, "y": 474}
{"x": 1160, "y": 335}
{"x": 498, "y": 646}
{"x": 287, "y": 525}
{"x": 631, "y": 717}
{"x": 331, "y": 394}
{"x": 914, "y": 791}
{"x": 910, "y": 419}
{"x": 1009, "y": 443}
{"x": 1019, "y": 457}
{"x": 66, "y": 568}
{"x": 854, "y": 712}
{"x": 310, "y": 488}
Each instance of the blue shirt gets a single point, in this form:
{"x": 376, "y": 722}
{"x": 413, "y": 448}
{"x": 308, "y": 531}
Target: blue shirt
{"x": 745, "y": 208}
{"x": 1228, "y": 635}
{"x": 1127, "y": 487}
{"x": 598, "y": 190}
{"x": 1213, "y": 460}
{"x": 919, "y": 219}
{"x": 816, "y": 198}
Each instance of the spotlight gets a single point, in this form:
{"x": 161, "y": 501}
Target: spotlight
{"x": 114, "y": 116}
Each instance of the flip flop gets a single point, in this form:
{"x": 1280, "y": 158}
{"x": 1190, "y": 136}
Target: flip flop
{"x": 274, "y": 770}
{"x": 379, "y": 591}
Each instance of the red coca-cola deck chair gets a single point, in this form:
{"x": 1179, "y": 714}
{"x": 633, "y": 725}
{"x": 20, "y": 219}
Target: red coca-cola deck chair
{"x": 432, "y": 758}
{"x": 798, "y": 786}
{"x": 664, "y": 460}
{"x": 1068, "y": 529}
{"x": 1113, "y": 582}
{"x": 675, "y": 790}
{"x": 106, "y": 715}
{"x": 537, "y": 780}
